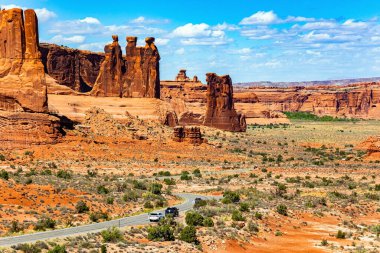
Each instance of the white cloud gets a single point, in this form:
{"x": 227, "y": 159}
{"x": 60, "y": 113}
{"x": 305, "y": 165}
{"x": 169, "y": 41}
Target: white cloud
{"x": 261, "y": 18}
{"x": 259, "y": 33}
{"x": 59, "y": 39}
{"x": 90, "y": 20}
{"x": 95, "y": 46}
{"x": 209, "y": 41}
{"x": 44, "y": 14}
{"x": 351, "y": 23}
{"x": 161, "y": 42}
{"x": 242, "y": 51}
{"x": 190, "y": 30}
{"x": 143, "y": 20}
{"x": 11, "y": 6}
{"x": 180, "y": 51}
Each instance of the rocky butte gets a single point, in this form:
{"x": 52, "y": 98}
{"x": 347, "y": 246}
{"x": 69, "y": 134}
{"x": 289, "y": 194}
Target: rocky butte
{"x": 24, "y": 117}
{"x": 136, "y": 74}
{"x": 220, "y": 112}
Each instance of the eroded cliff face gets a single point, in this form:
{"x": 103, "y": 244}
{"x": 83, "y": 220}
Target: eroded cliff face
{"x": 220, "y": 110}
{"x": 23, "y": 98}
{"x": 137, "y": 74}
{"x": 76, "y": 69}
{"x": 353, "y": 101}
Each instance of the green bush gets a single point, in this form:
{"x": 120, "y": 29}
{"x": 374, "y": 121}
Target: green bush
{"x": 95, "y": 217}
{"x": 112, "y": 235}
{"x": 15, "y": 227}
{"x": 189, "y": 235}
{"x": 2, "y": 157}
{"x": 200, "y": 203}
{"x": 169, "y": 181}
{"x": 131, "y": 196}
{"x": 208, "y": 222}
{"x": 230, "y": 197}
{"x": 102, "y": 190}
{"x": 244, "y": 207}
{"x": 28, "y": 248}
{"x": 65, "y": 174}
{"x": 58, "y": 249}
{"x": 282, "y": 209}
{"x": 161, "y": 233}
{"x": 341, "y": 235}
{"x": 252, "y": 227}
{"x": 194, "y": 219}
{"x": 81, "y": 207}
{"x": 103, "y": 248}
{"x": 237, "y": 216}
{"x": 155, "y": 188}
{"x": 139, "y": 185}
{"x": 4, "y": 175}
{"x": 45, "y": 223}
{"x": 148, "y": 205}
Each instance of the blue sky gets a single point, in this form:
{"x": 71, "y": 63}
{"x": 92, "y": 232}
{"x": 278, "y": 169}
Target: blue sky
{"x": 252, "y": 40}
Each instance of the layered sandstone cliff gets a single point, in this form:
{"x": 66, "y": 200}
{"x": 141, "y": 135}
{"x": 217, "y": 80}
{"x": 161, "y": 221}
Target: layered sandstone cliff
{"x": 76, "y": 69}
{"x": 220, "y": 109}
{"x": 23, "y": 98}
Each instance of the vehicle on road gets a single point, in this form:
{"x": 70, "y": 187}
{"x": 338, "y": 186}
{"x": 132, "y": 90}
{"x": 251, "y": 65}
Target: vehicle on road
{"x": 172, "y": 211}
{"x": 156, "y": 217}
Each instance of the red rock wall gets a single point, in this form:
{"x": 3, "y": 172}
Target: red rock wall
{"x": 73, "y": 68}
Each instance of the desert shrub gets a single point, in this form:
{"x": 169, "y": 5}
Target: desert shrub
{"x": 237, "y": 216}
{"x": 376, "y": 229}
{"x": 230, "y": 197}
{"x": 324, "y": 242}
{"x": 155, "y": 188}
{"x": 81, "y": 207}
{"x": 148, "y": 205}
{"x": 200, "y": 203}
{"x": 65, "y": 174}
{"x": 189, "y": 234}
{"x": 16, "y": 227}
{"x": 377, "y": 187}
{"x": 28, "y": 248}
{"x": 102, "y": 190}
{"x": 197, "y": 173}
{"x": 95, "y": 217}
{"x": 244, "y": 207}
{"x": 252, "y": 227}
{"x": 282, "y": 209}
{"x": 4, "y": 174}
{"x": 58, "y": 249}
{"x": 139, "y": 185}
{"x": 103, "y": 248}
{"x": 2, "y": 157}
{"x": 110, "y": 200}
{"x": 341, "y": 235}
{"x": 45, "y": 223}
{"x": 91, "y": 173}
{"x": 131, "y": 196}
{"x": 281, "y": 189}
{"x": 169, "y": 181}
{"x": 161, "y": 233}
{"x": 258, "y": 216}
{"x": 208, "y": 222}
{"x": 194, "y": 219}
{"x": 185, "y": 177}
{"x": 112, "y": 235}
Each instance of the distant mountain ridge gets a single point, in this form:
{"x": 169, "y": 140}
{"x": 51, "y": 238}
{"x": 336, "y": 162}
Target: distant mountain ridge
{"x": 307, "y": 83}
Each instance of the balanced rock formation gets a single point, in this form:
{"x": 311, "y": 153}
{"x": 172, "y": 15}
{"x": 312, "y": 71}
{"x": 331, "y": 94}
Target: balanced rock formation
{"x": 110, "y": 80}
{"x": 220, "y": 112}
{"x": 23, "y": 98}
{"x": 76, "y": 69}
{"x": 191, "y": 135}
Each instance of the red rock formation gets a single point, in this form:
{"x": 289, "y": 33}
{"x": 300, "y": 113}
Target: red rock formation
{"x": 73, "y": 68}
{"x": 142, "y": 77}
{"x": 353, "y": 101}
{"x": 220, "y": 111}
{"x": 191, "y": 135}
{"x": 23, "y": 98}
{"x": 110, "y": 80}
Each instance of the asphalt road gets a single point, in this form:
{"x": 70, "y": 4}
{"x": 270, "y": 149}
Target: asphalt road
{"x": 141, "y": 219}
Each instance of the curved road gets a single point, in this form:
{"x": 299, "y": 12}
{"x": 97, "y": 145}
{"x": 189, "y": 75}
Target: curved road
{"x": 141, "y": 219}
